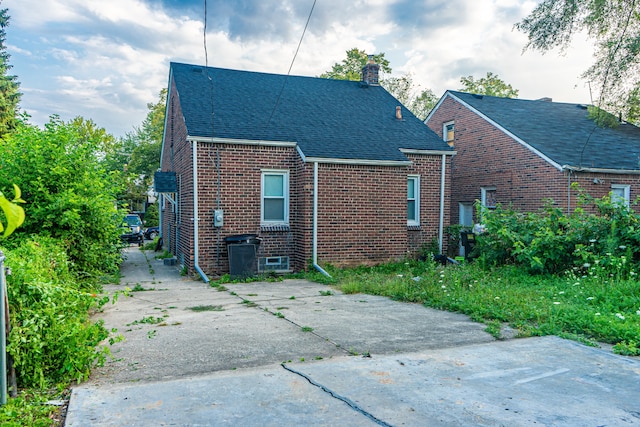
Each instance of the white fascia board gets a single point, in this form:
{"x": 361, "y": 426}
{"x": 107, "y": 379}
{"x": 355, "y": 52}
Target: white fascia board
{"x": 166, "y": 115}
{"x": 364, "y": 162}
{"x": 433, "y": 110}
{"x": 601, "y": 170}
{"x": 502, "y": 129}
{"x": 428, "y": 152}
{"x": 257, "y": 142}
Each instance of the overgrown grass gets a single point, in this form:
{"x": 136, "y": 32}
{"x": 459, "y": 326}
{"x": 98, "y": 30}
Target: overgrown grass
{"x": 584, "y": 307}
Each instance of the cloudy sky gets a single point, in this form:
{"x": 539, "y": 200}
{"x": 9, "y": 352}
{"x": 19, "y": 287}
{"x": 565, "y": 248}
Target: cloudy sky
{"x": 105, "y": 60}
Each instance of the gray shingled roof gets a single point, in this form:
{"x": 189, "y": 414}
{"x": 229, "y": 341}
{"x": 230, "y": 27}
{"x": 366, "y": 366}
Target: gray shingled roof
{"x": 327, "y": 118}
{"x": 562, "y": 131}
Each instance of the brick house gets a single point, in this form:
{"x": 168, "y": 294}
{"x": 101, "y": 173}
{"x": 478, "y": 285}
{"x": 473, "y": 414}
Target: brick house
{"x": 318, "y": 170}
{"x": 523, "y": 152}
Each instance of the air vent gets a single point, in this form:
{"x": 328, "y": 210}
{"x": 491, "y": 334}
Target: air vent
{"x": 276, "y": 264}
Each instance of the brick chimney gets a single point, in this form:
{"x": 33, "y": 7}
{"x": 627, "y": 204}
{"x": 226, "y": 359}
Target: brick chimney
{"x": 370, "y": 72}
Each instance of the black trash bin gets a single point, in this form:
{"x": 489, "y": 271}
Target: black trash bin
{"x": 243, "y": 251}
{"x": 468, "y": 240}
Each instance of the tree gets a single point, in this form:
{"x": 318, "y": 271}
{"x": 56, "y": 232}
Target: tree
{"x": 9, "y": 94}
{"x": 70, "y": 195}
{"x": 405, "y": 91}
{"x": 351, "y": 67}
{"x": 615, "y": 27}
{"x": 490, "y": 85}
{"x": 137, "y": 156}
{"x": 402, "y": 88}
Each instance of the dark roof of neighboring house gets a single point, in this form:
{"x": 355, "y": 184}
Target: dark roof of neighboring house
{"x": 561, "y": 131}
{"x": 326, "y": 118}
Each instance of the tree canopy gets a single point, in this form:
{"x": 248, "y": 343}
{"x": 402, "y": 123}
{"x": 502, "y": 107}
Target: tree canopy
{"x": 615, "y": 27}
{"x": 136, "y": 156}
{"x": 351, "y": 67}
{"x": 9, "y": 94}
{"x": 403, "y": 88}
{"x": 490, "y": 85}
{"x": 69, "y": 195}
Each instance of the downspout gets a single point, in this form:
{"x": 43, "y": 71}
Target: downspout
{"x": 569, "y": 192}
{"x": 442, "y": 190}
{"x": 315, "y": 221}
{"x": 195, "y": 218}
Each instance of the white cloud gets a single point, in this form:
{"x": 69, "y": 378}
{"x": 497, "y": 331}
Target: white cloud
{"x": 107, "y": 60}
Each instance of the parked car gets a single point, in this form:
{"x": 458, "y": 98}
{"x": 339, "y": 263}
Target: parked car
{"x": 132, "y": 229}
{"x": 151, "y": 233}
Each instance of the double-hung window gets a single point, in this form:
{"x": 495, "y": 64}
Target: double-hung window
{"x": 620, "y": 194}
{"x": 448, "y": 133}
{"x": 275, "y": 197}
{"x": 413, "y": 200}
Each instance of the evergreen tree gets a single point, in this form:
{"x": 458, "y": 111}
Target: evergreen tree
{"x": 9, "y": 94}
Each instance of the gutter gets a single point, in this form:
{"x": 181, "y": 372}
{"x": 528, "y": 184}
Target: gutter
{"x": 195, "y": 218}
{"x": 601, "y": 170}
{"x": 315, "y": 221}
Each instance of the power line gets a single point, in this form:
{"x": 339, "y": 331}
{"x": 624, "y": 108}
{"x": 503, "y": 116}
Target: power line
{"x": 291, "y": 66}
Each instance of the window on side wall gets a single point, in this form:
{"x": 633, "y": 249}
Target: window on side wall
{"x": 620, "y": 194}
{"x": 413, "y": 200}
{"x": 275, "y": 197}
{"x": 488, "y": 197}
{"x": 448, "y": 133}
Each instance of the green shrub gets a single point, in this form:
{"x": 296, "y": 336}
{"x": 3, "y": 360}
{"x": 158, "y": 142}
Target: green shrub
{"x": 598, "y": 233}
{"x": 52, "y": 339}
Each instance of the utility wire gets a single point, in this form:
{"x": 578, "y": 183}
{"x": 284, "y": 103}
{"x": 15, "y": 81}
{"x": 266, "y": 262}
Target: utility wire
{"x": 291, "y": 66}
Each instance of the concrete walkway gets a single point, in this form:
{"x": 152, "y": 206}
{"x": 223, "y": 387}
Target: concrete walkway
{"x": 297, "y": 353}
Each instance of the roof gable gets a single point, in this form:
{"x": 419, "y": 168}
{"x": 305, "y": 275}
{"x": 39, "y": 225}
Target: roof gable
{"x": 562, "y": 132}
{"x": 335, "y": 119}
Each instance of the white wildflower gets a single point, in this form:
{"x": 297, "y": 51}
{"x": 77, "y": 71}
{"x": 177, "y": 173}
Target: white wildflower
{"x": 597, "y": 314}
{"x": 586, "y": 265}
{"x": 556, "y": 303}
{"x": 619, "y": 316}
{"x": 589, "y": 298}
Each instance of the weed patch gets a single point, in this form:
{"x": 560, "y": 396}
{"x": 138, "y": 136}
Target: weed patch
{"x": 199, "y": 308}
{"x": 585, "y": 308}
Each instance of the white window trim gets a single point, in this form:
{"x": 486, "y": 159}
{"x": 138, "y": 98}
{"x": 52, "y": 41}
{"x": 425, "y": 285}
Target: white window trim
{"x": 285, "y": 174}
{"x": 445, "y": 133}
{"x": 416, "y": 179}
{"x": 483, "y": 195}
{"x": 626, "y": 193}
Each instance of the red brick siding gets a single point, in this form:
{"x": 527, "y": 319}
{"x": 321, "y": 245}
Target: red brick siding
{"x": 362, "y": 209}
{"x": 240, "y": 198}
{"x": 489, "y": 157}
{"x": 177, "y": 229}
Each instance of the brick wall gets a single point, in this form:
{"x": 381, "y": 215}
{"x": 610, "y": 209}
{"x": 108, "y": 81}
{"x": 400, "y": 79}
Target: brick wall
{"x": 487, "y": 157}
{"x": 177, "y": 227}
{"x": 362, "y": 216}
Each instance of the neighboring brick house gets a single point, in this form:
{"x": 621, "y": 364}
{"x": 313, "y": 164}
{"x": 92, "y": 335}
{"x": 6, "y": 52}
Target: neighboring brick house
{"x": 521, "y": 152}
{"x": 322, "y": 171}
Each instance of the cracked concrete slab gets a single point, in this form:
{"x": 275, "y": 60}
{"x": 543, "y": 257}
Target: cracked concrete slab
{"x": 222, "y": 366}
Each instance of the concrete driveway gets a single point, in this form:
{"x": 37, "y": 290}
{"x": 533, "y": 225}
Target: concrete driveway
{"x": 298, "y": 353}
